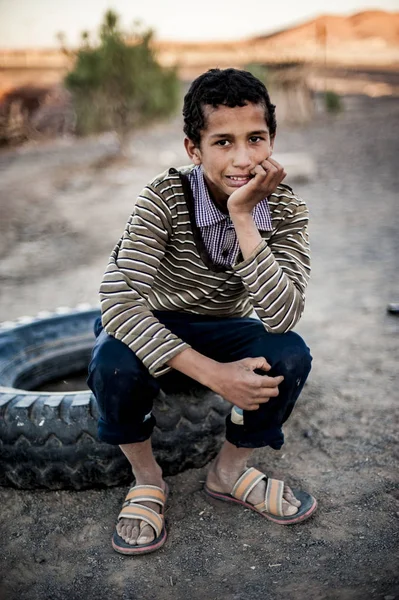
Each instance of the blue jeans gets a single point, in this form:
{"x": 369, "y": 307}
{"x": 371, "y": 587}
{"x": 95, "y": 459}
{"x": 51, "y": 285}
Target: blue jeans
{"x": 125, "y": 390}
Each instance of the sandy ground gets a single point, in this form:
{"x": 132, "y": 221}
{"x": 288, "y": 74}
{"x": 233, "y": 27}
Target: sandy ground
{"x": 62, "y": 218}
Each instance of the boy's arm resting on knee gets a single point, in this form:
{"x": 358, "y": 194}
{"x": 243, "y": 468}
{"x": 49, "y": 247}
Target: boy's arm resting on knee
{"x": 127, "y": 281}
{"x": 275, "y": 273}
{"x": 234, "y": 381}
{"x": 195, "y": 365}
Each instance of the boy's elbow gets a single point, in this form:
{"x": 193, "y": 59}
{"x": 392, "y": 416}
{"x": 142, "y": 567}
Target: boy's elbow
{"x": 280, "y": 328}
{"x": 289, "y": 319}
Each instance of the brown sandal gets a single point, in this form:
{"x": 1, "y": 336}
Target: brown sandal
{"x": 132, "y": 509}
{"x": 272, "y": 505}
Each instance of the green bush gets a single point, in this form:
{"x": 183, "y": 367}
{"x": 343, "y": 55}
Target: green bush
{"x": 259, "y": 71}
{"x": 118, "y": 82}
{"x": 332, "y": 102}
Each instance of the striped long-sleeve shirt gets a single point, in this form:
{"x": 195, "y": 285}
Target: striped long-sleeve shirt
{"x": 161, "y": 263}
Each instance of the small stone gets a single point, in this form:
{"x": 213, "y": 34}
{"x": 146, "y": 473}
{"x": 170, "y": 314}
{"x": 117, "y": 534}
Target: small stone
{"x": 308, "y": 433}
{"x": 252, "y": 568}
{"x": 389, "y": 597}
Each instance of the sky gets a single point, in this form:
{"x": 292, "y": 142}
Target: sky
{"x": 35, "y": 23}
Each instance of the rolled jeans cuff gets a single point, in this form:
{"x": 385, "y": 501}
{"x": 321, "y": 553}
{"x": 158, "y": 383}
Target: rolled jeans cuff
{"x": 241, "y": 437}
{"x": 118, "y": 434}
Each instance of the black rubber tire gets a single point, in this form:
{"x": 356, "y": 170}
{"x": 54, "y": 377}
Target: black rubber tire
{"x": 50, "y": 439}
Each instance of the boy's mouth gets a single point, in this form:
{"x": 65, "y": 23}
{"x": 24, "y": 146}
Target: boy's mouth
{"x": 238, "y": 180}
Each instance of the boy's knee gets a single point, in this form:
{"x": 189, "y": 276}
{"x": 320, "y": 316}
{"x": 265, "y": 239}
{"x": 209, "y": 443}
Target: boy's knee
{"x": 124, "y": 392}
{"x": 113, "y": 365}
{"x": 105, "y": 375}
{"x": 117, "y": 376}
{"x": 295, "y": 360}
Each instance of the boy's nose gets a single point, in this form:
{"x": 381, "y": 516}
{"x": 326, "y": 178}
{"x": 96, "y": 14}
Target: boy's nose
{"x": 242, "y": 159}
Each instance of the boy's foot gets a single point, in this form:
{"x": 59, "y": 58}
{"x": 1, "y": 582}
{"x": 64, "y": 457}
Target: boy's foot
{"x": 218, "y": 481}
{"x": 137, "y": 532}
{"x": 269, "y": 497}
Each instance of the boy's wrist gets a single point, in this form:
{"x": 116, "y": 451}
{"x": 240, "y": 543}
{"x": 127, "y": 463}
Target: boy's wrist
{"x": 197, "y": 366}
{"x": 247, "y": 233}
{"x": 240, "y": 215}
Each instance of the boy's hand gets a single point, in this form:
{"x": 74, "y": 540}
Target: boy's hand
{"x": 237, "y": 383}
{"x": 267, "y": 176}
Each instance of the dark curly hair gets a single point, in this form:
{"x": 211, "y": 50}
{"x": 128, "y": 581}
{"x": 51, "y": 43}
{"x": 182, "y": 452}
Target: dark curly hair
{"x": 227, "y": 87}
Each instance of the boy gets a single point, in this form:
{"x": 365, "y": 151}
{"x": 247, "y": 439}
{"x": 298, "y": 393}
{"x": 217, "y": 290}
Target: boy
{"x": 207, "y": 245}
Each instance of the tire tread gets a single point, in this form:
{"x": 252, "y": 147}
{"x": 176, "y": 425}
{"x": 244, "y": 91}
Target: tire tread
{"x": 49, "y": 440}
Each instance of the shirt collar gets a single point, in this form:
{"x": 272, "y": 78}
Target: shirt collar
{"x": 207, "y": 213}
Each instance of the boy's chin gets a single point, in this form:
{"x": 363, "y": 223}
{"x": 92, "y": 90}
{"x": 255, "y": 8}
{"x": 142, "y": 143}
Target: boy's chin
{"x": 221, "y": 203}
{"x": 219, "y": 194}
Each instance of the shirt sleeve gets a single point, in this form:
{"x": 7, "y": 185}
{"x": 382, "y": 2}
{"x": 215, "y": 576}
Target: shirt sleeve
{"x": 276, "y": 274}
{"x": 133, "y": 264}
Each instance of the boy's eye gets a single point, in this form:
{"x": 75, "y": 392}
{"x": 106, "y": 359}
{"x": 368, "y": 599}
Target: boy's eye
{"x": 255, "y": 138}
{"x": 222, "y": 143}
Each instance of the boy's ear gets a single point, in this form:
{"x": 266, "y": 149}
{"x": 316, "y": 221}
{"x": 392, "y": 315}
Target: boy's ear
{"x": 193, "y": 151}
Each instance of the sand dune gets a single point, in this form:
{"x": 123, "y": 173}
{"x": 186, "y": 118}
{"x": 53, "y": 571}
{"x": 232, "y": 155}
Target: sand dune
{"x": 367, "y": 39}
{"x": 363, "y": 39}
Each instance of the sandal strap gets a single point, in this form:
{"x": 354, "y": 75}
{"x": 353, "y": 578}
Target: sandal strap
{"x": 274, "y": 497}
{"x": 246, "y": 483}
{"x": 273, "y": 502}
{"x": 145, "y": 493}
{"x": 143, "y": 513}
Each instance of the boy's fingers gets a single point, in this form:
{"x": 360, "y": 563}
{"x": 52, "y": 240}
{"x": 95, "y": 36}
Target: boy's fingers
{"x": 274, "y": 162}
{"x": 265, "y": 367}
{"x": 274, "y": 169}
{"x": 257, "y": 363}
{"x": 269, "y": 382}
{"x": 259, "y": 172}
{"x": 265, "y": 392}
{"x": 264, "y": 396}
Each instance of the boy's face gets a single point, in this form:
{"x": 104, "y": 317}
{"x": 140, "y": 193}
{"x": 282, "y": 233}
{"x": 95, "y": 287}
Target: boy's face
{"x": 234, "y": 141}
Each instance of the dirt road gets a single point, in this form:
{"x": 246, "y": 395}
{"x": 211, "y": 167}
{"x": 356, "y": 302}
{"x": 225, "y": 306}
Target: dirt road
{"x": 341, "y": 441}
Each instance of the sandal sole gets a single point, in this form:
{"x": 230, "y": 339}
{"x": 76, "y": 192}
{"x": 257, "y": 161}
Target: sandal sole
{"x": 308, "y": 507}
{"x": 120, "y": 546}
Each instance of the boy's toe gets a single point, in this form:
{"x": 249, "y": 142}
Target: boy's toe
{"x": 290, "y": 498}
{"x": 288, "y": 509}
{"x": 146, "y": 535}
